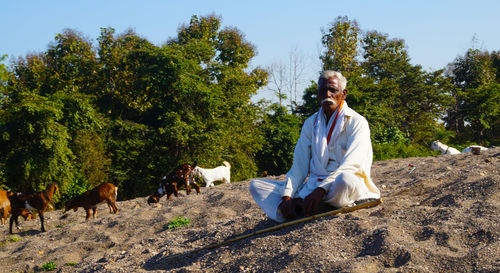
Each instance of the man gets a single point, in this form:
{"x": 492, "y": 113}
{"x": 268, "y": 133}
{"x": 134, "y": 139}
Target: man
{"x": 334, "y": 150}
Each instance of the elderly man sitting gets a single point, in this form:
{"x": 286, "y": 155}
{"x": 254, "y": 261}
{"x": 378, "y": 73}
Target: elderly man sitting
{"x": 334, "y": 150}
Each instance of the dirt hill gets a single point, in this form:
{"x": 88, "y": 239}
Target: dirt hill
{"x": 439, "y": 214}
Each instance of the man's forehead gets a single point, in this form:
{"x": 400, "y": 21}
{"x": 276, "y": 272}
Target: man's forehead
{"x": 330, "y": 81}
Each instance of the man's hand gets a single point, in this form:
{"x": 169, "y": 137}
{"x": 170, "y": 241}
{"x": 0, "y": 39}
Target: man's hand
{"x": 311, "y": 201}
{"x": 287, "y": 207}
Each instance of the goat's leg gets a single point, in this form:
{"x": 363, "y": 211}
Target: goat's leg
{"x": 88, "y": 213}
{"x": 197, "y": 187}
{"x": 176, "y": 191}
{"x": 94, "y": 210}
{"x": 112, "y": 204}
{"x": 13, "y": 219}
{"x": 3, "y": 215}
{"x": 40, "y": 213}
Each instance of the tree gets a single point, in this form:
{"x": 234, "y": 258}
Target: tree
{"x": 481, "y": 113}
{"x": 218, "y": 123}
{"x": 278, "y": 81}
{"x": 46, "y": 116}
{"x": 395, "y": 93}
{"x": 186, "y": 100}
{"x": 124, "y": 80}
{"x": 473, "y": 70}
{"x": 71, "y": 63}
{"x": 286, "y": 78}
{"x": 132, "y": 109}
{"x": 35, "y": 145}
{"x": 281, "y": 132}
{"x": 340, "y": 42}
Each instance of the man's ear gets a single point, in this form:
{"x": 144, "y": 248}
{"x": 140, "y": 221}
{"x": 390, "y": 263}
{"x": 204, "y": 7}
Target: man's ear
{"x": 344, "y": 93}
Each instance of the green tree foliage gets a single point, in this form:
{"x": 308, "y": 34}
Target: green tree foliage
{"x": 135, "y": 159}
{"x": 60, "y": 78}
{"x": 4, "y": 73}
{"x": 130, "y": 109}
{"x": 474, "y": 115}
{"x": 401, "y": 94}
{"x": 71, "y": 63}
{"x": 481, "y": 114}
{"x": 340, "y": 42}
{"x": 128, "y": 74}
{"x": 35, "y": 145}
{"x": 281, "y": 132}
{"x": 310, "y": 101}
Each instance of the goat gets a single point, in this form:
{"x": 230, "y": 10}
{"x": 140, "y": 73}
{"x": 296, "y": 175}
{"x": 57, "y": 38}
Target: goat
{"x": 91, "y": 198}
{"x": 182, "y": 175}
{"x": 115, "y": 182}
{"x": 437, "y": 145}
{"x": 39, "y": 200}
{"x": 221, "y": 173}
{"x": 5, "y": 207}
{"x": 470, "y": 148}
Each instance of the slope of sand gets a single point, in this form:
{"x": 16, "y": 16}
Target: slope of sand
{"x": 439, "y": 214}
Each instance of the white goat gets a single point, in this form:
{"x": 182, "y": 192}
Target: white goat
{"x": 221, "y": 173}
{"x": 436, "y": 145}
{"x": 469, "y": 149}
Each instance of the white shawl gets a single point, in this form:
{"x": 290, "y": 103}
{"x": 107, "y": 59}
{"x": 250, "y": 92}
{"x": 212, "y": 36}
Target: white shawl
{"x": 320, "y": 154}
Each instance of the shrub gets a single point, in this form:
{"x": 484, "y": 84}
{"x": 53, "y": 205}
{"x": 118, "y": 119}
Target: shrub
{"x": 49, "y": 266}
{"x": 178, "y": 221}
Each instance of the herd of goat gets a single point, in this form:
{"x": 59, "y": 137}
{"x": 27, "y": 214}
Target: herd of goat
{"x": 23, "y": 204}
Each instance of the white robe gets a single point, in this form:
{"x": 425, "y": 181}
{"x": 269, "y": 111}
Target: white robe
{"x": 348, "y": 166}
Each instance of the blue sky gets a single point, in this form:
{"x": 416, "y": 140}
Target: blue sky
{"x": 435, "y": 32}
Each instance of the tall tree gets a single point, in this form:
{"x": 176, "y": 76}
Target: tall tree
{"x": 124, "y": 81}
{"x": 286, "y": 78}
{"x": 340, "y": 42}
{"x": 397, "y": 93}
{"x": 468, "y": 72}
{"x": 71, "y": 64}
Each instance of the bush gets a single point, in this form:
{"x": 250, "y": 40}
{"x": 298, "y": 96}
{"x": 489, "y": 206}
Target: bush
{"x": 384, "y": 151}
{"x": 49, "y": 266}
{"x": 178, "y": 221}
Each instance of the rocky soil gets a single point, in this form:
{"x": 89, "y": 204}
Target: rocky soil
{"x": 439, "y": 214}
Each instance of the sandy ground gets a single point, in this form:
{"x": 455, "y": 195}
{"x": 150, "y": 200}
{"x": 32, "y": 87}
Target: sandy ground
{"x": 439, "y": 214}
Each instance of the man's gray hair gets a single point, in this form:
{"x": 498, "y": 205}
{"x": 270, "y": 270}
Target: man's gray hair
{"x": 334, "y": 74}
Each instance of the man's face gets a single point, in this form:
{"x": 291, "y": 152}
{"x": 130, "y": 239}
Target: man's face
{"x": 330, "y": 94}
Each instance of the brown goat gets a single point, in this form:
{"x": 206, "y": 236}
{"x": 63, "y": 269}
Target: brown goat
{"x": 39, "y": 200}
{"x": 91, "y": 198}
{"x": 183, "y": 175}
{"x": 5, "y": 207}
